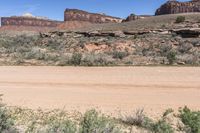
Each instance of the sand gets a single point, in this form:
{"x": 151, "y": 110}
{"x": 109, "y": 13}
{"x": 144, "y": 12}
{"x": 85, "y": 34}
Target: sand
{"x": 110, "y": 89}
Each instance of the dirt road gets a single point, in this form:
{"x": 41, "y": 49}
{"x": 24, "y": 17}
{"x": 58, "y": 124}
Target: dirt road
{"x": 108, "y": 88}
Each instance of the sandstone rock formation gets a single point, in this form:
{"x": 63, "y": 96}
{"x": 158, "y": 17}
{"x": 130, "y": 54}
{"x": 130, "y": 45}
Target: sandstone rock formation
{"x": 188, "y": 32}
{"x": 28, "y": 21}
{"x": 174, "y": 7}
{"x": 79, "y": 15}
{"x": 133, "y": 17}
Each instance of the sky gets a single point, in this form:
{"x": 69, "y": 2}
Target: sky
{"x": 54, "y": 9}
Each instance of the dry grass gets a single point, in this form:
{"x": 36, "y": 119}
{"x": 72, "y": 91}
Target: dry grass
{"x": 153, "y": 22}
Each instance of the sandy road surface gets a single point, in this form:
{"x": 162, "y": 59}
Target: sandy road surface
{"x": 108, "y": 88}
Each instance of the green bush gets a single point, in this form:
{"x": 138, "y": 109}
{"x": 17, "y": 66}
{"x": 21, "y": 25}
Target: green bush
{"x": 119, "y": 55}
{"x": 76, "y": 59}
{"x": 63, "y": 60}
{"x": 190, "y": 119}
{"x": 6, "y": 123}
{"x": 185, "y": 47}
{"x": 93, "y": 122}
{"x": 96, "y": 60}
{"x": 164, "y": 49}
{"x": 162, "y": 127}
{"x": 142, "y": 121}
{"x": 180, "y": 19}
{"x": 62, "y": 126}
{"x": 171, "y": 56}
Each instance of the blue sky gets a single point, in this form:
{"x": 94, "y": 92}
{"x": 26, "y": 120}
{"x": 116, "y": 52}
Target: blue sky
{"x": 54, "y": 9}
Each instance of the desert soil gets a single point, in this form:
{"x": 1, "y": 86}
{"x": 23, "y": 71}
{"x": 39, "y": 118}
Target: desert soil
{"x": 109, "y": 89}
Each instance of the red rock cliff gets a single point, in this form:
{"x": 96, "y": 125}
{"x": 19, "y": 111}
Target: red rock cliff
{"x": 28, "y": 21}
{"x": 79, "y": 15}
{"x": 174, "y": 7}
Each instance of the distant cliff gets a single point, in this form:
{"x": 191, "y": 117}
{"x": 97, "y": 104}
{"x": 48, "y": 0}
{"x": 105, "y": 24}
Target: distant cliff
{"x": 28, "y": 21}
{"x": 133, "y": 17}
{"x": 79, "y": 15}
{"x": 174, "y": 7}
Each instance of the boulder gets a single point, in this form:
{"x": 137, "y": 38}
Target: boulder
{"x": 188, "y": 32}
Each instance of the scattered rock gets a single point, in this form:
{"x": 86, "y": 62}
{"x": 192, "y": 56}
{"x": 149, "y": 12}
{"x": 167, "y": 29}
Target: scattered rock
{"x": 181, "y": 63}
{"x": 188, "y": 32}
{"x": 136, "y": 32}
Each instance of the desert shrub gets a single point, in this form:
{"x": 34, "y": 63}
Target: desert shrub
{"x": 119, "y": 55}
{"x": 51, "y": 57}
{"x": 39, "y": 121}
{"x": 185, "y": 47}
{"x": 167, "y": 112}
{"x": 94, "y": 122}
{"x": 130, "y": 62}
{"x": 6, "y": 122}
{"x": 61, "y": 126}
{"x": 76, "y": 59}
{"x": 138, "y": 119}
{"x": 32, "y": 127}
{"x": 171, "y": 56}
{"x": 96, "y": 60}
{"x": 18, "y": 61}
{"x": 190, "y": 119}
{"x": 191, "y": 59}
{"x": 63, "y": 60}
{"x": 161, "y": 127}
{"x": 22, "y": 49}
{"x": 148, "y": 50}
{"x": 35, "y": 53}
{"x": 54, "y": 45}
{"x": 180, "y": 19}
{"x": 89, "y": 60}
{"x": 163, "y": 26}
{"x": 103, "y": 61}
{"x": 165, "y": 48}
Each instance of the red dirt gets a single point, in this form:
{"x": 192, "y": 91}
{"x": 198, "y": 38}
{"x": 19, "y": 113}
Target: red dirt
{"x": 108, "y": 88}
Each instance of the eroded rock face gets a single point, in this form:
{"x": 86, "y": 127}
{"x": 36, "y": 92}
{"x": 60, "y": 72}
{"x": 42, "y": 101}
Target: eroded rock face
{"x": 133, "y": 17}
{"x": 28, "y": 21}
{"x": 174, "y": 7}
{"x": 79, "y": 15}
{"x": 188, "y": 32}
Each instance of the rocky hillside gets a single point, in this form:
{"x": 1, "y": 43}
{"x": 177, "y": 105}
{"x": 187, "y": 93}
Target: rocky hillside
{"x": 157, "y": 40}
{"x": 72, "y": 25}
{"x": 174, "y": 7}
{"x": 73, "y": 19}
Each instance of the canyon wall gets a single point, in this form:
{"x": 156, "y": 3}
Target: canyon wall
{"x": 28, "y": 21}
{"x": 79, "y": 15}
{"x": 174, "y": 7}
